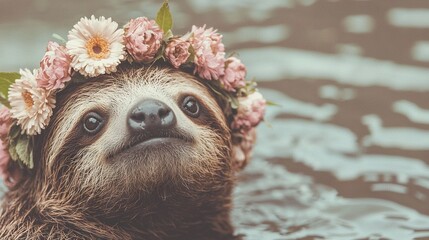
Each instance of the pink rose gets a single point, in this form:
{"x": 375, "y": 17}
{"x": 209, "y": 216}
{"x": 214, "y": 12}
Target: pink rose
{"x": 250, "y": 112}
{"x": 143, "y": 38}
{"x": 4, "y": 161}
{"x": 242, "y": 148}
{"x": 11, "y": 174}
{"x": 5, "y": 123}
{"x": 55, "y": 67}
{"x": 177, "y": 52}
{"x": 235, "y": 72}
{"x": 209, "y": 53}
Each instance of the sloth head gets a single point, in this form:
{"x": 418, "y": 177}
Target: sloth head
{"x": 134, "y": 131}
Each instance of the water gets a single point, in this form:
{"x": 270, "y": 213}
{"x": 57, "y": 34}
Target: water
{"x": 345, "y": 155}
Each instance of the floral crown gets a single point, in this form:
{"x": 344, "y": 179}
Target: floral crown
{"x": 96, "y": 46}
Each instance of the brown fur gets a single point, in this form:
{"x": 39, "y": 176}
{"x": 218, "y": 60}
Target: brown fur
{"x": 75, "y": 191}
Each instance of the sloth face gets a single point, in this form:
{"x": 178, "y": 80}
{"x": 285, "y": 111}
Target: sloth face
{"x": 136, "y": 129}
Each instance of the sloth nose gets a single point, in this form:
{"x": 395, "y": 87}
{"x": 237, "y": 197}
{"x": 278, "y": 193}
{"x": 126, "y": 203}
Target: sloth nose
{"x": 151, "y": 115}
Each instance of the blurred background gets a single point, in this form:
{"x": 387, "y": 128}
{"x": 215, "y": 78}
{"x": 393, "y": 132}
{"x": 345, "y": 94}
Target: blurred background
{"x": 346, "y": 154}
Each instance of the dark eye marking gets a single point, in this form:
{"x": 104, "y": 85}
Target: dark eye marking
{"x": 93, "y": 123}
{"x": 191, "y": 107}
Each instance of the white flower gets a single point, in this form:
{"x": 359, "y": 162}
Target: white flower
{"x": 96, "y": 46}
{"x": 30, "y": 105}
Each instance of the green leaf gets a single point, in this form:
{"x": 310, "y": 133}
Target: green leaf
{"x": 4, "y": 102}
{"x": 7, "y": 79}
{"x": 14, "y": 131}
{"x": 192, "y": 54}
{"x": 30, "y": 155}
{"x": 59, "y": 38}
{"x": 12, "y": 152}
{"x": 164, "y": 18}
{"x": 11, "y": 76}
{"x": 24, "y": 150}
{"x": 21, "y": 147}
{"x": 13, "y": 137}
{"x": 234, "y": 102}
{"x": 216, "y": 91}
{"x": 233, "y": 54}
{"x": 270, "y": 103}
{"x": 168, "y": 35}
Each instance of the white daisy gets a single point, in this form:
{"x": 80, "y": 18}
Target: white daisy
{"x": 96, "y": 46}
{"x": 30, "y": 105}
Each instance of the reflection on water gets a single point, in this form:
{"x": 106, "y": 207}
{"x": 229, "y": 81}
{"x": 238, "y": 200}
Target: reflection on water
{"x": 273, "y": 203}
{"x": 344, "y": 69}
{"x": 412, "y": 111}
{"x": 316, "y": 210}
{"x": 345, "y": 155}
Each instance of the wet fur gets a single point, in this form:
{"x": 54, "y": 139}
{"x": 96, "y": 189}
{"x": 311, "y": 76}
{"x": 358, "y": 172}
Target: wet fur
{"x": 74, "y": 192}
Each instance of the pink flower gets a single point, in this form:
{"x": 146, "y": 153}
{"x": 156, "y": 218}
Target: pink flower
{"x": 209, "y": 53}
{"x": 235, "y": 72}
{"x": 250, "y": 112}
{"x": 242, "y": 149}
{"x": 143, "y": 38}
{"x": 5, "y": 123}
{"x": 4, "y": 161}
{"x": 177, "y": 52}
{"x": 54, "y": 68}
{"x": 11, "y": 174}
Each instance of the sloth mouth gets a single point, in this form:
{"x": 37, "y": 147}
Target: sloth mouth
{"x": 156, "y": 140}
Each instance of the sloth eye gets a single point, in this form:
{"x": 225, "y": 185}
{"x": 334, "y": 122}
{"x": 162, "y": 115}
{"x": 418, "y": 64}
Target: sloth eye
{"x": 191, "y": 107}
{"x": 92, "y": 122}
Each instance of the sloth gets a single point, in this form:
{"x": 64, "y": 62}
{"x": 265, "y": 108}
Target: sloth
{"x": 144, "y": 153}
